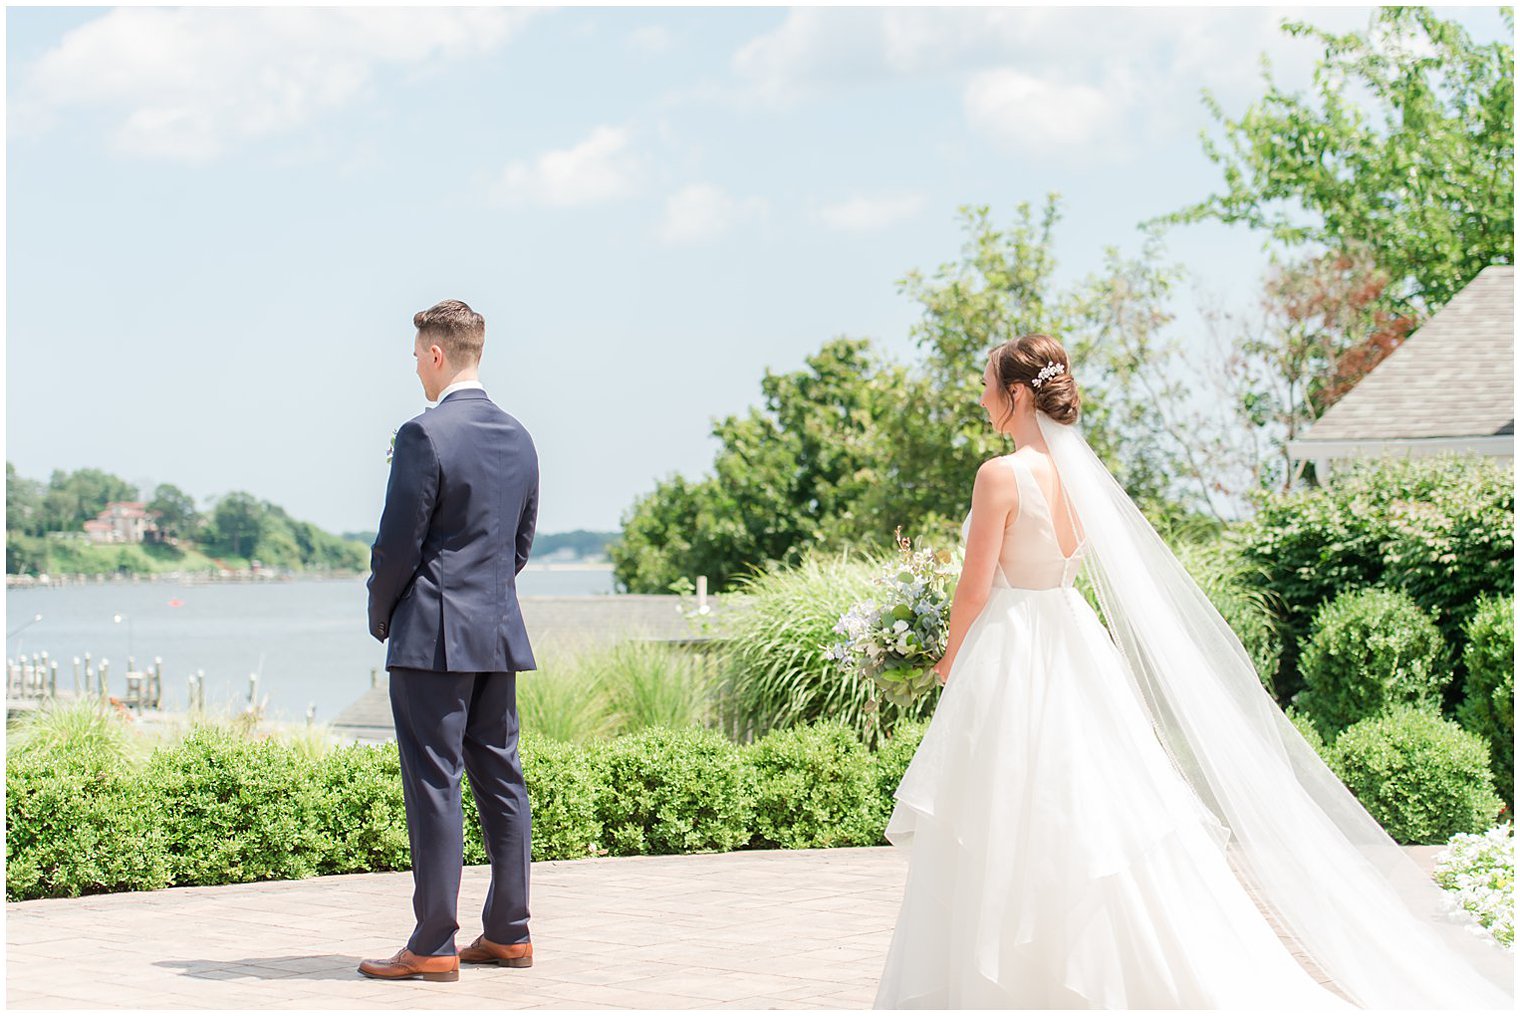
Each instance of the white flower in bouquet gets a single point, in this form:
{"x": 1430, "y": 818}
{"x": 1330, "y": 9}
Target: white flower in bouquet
{"x": 894, "y": 639}
{"x": 1479, "y": 872}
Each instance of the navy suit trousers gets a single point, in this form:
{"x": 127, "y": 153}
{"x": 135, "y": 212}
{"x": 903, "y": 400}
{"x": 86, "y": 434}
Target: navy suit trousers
{"x": 449, "y": 723}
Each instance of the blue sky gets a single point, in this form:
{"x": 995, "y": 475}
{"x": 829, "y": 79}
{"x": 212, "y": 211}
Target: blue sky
{"x": 220, "y": 221}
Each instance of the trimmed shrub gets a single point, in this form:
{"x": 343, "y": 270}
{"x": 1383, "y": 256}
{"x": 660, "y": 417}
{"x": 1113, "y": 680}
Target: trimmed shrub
{"x": 561, "y": 779}
{"x": 1441, "y": 528}
{"x": 474, "y": 836}
{"x": 1305, "y": 727}
{"x": 1234, "y": 587}
{"x": 889, "y": 762}
{"x": 673, "y": 792}
{"x": 219, "y": 808}
{"x": 562, "y": 791}
{"x": 775, "y": 673}
{"x": 1423, "y": 778}
{"x": 363, "y": 815}
{"x": 236, "y": 810}
{"x": 1488, "y": 704}
{"x": 79, "y": 821}
{"x": 1370, "y": 649}
{"x": 815, "y": 788}
{"x": 1449, "y": 551}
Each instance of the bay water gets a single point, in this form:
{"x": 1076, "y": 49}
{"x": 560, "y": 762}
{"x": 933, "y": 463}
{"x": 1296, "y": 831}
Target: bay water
{"x": 307, "y": 639}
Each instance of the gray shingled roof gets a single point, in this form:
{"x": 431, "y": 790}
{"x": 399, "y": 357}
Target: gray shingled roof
{"x": 1454, "y": 377}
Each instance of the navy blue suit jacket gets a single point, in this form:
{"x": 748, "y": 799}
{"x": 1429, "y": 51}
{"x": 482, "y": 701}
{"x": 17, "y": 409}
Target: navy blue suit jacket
{"x": 457, "y": 527}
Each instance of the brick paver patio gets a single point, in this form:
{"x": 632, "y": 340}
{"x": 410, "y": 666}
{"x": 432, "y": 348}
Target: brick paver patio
{"x": 801, "y": 929}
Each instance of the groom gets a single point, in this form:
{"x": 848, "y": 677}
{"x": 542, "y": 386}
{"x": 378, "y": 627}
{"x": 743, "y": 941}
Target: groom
{"x": 457, "y": 526}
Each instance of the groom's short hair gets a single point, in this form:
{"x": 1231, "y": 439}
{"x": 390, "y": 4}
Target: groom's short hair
{"x": 458, "y": 331}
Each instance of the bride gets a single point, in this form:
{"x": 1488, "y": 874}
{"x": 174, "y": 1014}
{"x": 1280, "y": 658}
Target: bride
{"x": 1093, "y": 808}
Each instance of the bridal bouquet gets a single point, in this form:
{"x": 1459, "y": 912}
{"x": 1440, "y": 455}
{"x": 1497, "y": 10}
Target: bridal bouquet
{"x": 894, "y": 639}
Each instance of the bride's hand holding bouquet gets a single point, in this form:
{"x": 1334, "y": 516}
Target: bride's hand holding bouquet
{"x": 898, "y": 640}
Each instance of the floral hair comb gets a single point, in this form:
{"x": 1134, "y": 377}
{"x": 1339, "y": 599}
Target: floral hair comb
{"x": 1047, "y": 372}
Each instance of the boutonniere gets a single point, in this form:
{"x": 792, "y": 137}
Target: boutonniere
{"x": 390, "y": 452}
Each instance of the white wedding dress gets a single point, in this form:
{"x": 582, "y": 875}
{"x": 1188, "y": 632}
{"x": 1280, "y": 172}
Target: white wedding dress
{"x": 1058, "y": 859}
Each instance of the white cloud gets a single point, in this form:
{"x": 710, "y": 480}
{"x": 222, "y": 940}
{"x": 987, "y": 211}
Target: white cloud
{"x": 651, "y": 40}
{"x": 601, "y": 168}
{"x": 864, "y": 213}
{"x": 1024, "y": 113}
{"x": 1137, "y": 71}
{"x": 818, "y": 47}
{"x": 812, "y": 48}
{"x": 703, "y": 212}
{"x": 188, "y": 84}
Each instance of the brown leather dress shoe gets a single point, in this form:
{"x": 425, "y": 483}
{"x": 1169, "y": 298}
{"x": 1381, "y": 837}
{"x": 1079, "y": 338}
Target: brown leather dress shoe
{"x": 406, "y": 964}
{"x": 483, "y": 950}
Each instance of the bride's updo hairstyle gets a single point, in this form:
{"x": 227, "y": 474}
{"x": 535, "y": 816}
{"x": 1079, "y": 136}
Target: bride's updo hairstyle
{"x": 1026, "y": 361}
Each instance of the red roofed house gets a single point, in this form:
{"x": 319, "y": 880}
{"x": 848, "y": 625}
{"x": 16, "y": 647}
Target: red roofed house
{"x": 121, "y": 522}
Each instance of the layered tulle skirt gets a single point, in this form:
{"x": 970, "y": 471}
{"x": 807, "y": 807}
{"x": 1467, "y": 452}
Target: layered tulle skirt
{"x": 1058, "y": 859}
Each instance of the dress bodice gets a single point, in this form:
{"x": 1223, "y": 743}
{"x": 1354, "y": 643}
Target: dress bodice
{"x": 1030, "y": 556}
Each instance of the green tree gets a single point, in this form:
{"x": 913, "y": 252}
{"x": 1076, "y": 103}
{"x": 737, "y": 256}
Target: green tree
{"x": 74, "y": 498}
{"x": 25, "y": 555}
{"x": 1405, "y": 146}
{"x": 1320, "y": 328}
{"x": 316, "y": 548}
{"x": 1138, "y": 411}
{"x": 1114, "y": 324}
{"x": 277, "y": 546}
{"x": 23, "y": 503}
{"x": 237, "y": 524}
{"x": 842, "y": 453}
{"x": 788, "y": 473}
{"x": 998, "y": 288}
{"x": 175, "y": 511}
{"x": 244, "y": 526}
{"x": 668, "y": 536}
{"x": 809, "y": 455}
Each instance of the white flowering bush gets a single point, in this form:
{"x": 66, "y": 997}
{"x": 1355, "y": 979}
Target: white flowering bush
{"x": 895, "y": 637}
{"x": 1479, "y": 870}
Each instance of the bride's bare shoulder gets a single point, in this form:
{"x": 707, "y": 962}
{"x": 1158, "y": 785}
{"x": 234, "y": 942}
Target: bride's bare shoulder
{"x": 994, "y": 478}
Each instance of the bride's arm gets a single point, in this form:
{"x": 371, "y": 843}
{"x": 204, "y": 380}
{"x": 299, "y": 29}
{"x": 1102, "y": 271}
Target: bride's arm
{"x": 994, "y": 499}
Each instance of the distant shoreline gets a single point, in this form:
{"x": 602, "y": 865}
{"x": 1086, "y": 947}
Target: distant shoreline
{"x": 204, "y": 578}
{"x": 569, "y": 566}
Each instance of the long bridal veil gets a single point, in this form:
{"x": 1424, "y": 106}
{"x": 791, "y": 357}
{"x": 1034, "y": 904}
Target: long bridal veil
{"x": 1366, "y": 913}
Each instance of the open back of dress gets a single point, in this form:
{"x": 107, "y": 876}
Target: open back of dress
{"x": 1031, "y": 556}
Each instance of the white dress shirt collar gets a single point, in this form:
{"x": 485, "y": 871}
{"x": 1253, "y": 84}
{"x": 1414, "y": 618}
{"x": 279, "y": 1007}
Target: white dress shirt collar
{"x": 459, "y": 386}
